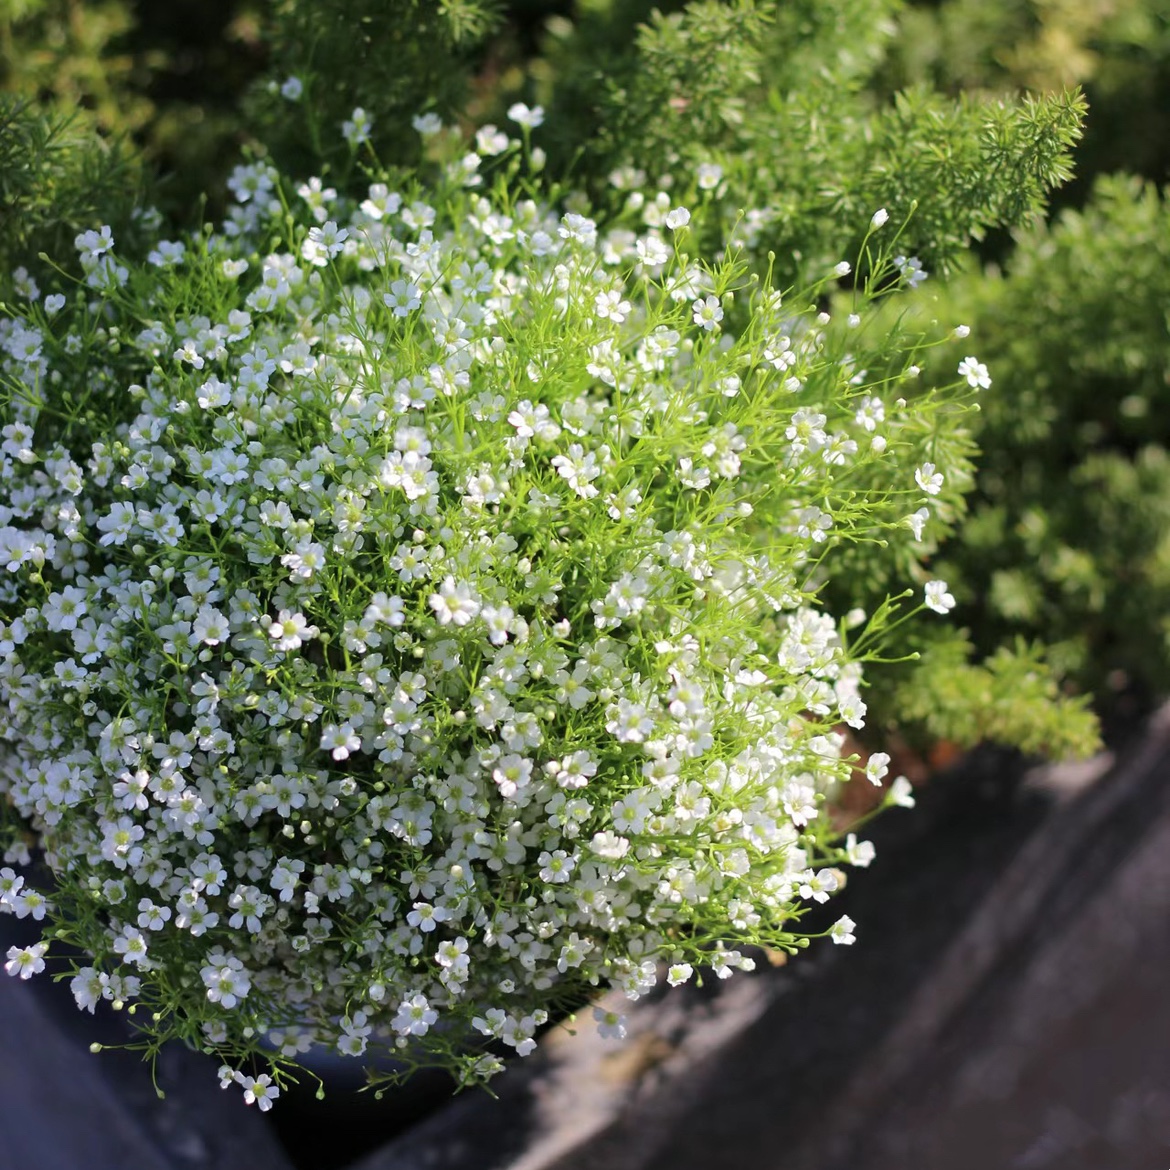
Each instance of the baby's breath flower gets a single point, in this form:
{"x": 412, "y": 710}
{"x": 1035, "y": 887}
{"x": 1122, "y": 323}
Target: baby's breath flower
{"x": 26, "y": 962}
{"x": 937, "y": 597}
{"x": 610, "y": 1025}
{"x": 411, "y": 634}
{"x": 356, "y": 128}
{"x": 529, "y": 116}
{"x": 975, "y": 372}
{"x": 709, "y": 176}
{"x": 841, "y": 932}
{"x": 928, "y": 479}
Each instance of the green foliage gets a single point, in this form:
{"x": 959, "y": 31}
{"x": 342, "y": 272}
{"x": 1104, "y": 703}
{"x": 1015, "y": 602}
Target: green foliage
{"x": 782, "y": 103}
{"x": 1011, "y": 697}
{"x": 778, "y": 96}
{"x": 1119, "y": 50}
{"x": 1069, "y": 534}
{"x": 391, "y": 60}
{"x": 167, "y": 77}
{"x": 56, "y": 178}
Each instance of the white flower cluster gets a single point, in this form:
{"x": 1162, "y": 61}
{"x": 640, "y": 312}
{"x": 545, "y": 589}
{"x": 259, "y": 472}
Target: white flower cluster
{"x": 412, "y": 630}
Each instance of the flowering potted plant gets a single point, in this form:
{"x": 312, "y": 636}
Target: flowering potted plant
{"x": 411, "y": 621}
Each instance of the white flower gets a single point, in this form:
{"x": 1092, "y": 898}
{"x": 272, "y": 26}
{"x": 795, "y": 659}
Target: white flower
{"x": 937, "y": 597}
{"x": 291, "y": 89}
{"x": 225, "y": 979}
{"x": 707, "y": 313}
{"x": 88, "y": 987}
{"x": 456, "y": 603}
{"x": 876, "y": 768}
{"x": 843, "y": 268}
{"x": 901, "y": 793}
{"x": 291, "y": 630}
{"x": 258, "y": 1091}
{"x": 427, "y": 124}
{"x": 975, "y": 372}
{"x": 677, "y": 217}
{"x": 324, "y": 243}
{"x": 491, "y": 141}
{"x": 859, "y": 853}
{"x": 929, "y": 480}
{"x": 356, "y": 129}
{"x": 879, "y": 218}
{"x": 709, "y": 176}
{"x": 917, "y": 522}
{"x": 556, "y": 867}
{"x": 415, "y": 1016}
{"x": 340, "y": 740}
{"x": 26, "y": 961}
{"x": 609, "y": 845}
{"x": 580, "y": 469}
{"x": 403, "y": 298}
{"x": 911, "y": 270}
{"x": 523, "y": 115}
{"x": 610, "y": 1025}
{"x": 841, "y": 932}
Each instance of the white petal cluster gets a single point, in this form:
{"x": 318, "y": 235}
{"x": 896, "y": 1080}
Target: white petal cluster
{"x": 419, "y": 634}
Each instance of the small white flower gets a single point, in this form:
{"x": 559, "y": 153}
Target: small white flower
{"x": 258, "y": 1091}
{"x": 292, "y": 88}
{"x": 427, "y": 124}
{"x": 859, "y": 853}
{"x": 707, "y": 313}
{"x": 876, "y": 768}
{"x": 975, "y": 372}
{"x": 403, "y": 298}
{"x": 677, "y": 217}
{"x": 490, "y": 140}
{"x": 356, "y": 129}
{"x": 916, "y": 522}
{"x": 709, "y": 176}
{"x": 529, "y": 116}
{"x": 929, "y": 480}
{"x": 901, "y": 793}
{"x": 26, "y": 962}
{"x": 610, "y": 1025}
{"x": 456, "y": 603}
{"x": 841, "y": 932}
{"x": 340, "y": 740}
{"x": 879, "y": 218}
{"x": 415, "y": 1016}
{"x": 911, "y": 270}
{"x": 937, "y": 597}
